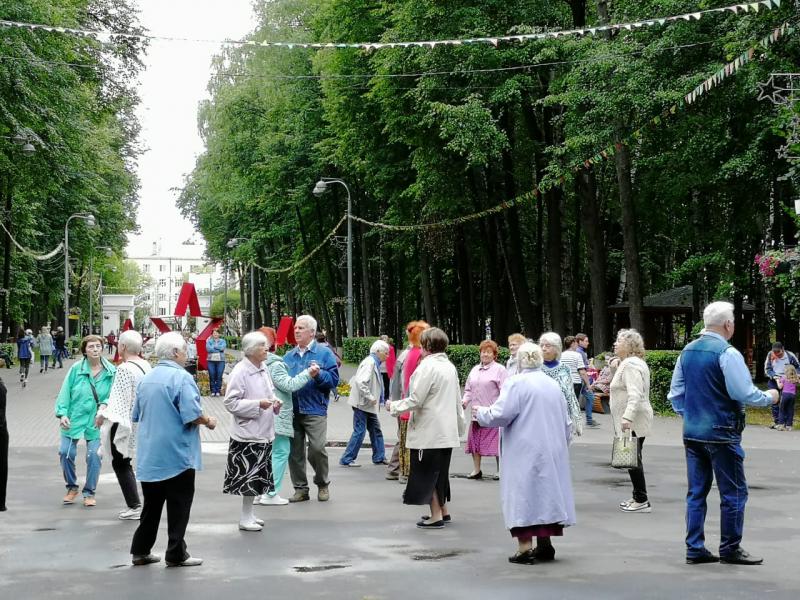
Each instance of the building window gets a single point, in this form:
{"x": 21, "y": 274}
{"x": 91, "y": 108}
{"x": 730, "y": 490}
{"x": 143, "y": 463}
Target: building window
{"x": 162, "y": 311}
{"x": 146, "y": 267}
{"x": 162, "y": 268}
{"x": 162, "y": 297}
{"x": 147, "y": 297}
{"x": 179, "y": 268}
{"x": 178, "y": 282}
{"x": 162, "y": 282}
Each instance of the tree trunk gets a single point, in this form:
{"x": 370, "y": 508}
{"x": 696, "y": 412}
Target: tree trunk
{"x": 314, "y": 272}
{"x": 5, "y": 189}
{"x": 369, "y": 324}
{"x": 425, "y": 282}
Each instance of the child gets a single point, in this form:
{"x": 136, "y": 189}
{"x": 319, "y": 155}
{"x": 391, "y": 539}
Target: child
{"x": 788, "y": 386}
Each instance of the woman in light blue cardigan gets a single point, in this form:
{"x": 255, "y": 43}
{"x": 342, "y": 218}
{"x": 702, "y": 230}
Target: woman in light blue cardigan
{"x": 284, "y": 385}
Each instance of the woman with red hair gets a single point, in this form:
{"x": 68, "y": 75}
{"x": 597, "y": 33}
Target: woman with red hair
{"x": 483, "y": 389}
{"x": 410, "y": 362}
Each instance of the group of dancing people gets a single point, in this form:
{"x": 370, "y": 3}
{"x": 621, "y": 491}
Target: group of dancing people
{"x": 279, "y": 409}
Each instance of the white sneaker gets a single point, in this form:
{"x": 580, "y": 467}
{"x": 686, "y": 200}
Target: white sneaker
{"x": 251, "y": 526}
{"x": 130, "y": 514}
{"x": 642, "y": 507}
{"x": 626, "y": 502}
{"x": 257, "y": 499}
{"x": 276, "y": 500}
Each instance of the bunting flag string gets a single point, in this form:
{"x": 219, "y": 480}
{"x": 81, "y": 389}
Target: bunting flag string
{"x": 32, "y": 253}
{"x": 105, "y": 36}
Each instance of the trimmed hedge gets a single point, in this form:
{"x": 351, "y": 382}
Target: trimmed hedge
{"x": 464, "y": 357}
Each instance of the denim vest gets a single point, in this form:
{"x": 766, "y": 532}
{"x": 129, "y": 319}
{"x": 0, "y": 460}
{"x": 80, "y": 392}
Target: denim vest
{"x": 710, "y": 414}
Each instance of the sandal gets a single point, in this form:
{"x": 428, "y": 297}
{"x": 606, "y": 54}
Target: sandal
{"x": 523, "y": 558}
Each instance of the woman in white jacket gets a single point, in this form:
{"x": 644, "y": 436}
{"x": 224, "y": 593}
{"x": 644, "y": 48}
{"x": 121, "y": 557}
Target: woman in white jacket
{"x": 631, "y": 408}
{"x": 367, "y": 393}
{"x": 435, "y": 428}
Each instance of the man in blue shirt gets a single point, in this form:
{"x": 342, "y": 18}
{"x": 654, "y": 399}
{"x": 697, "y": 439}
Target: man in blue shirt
{"x": 310, "y": 409}
{"x": 167, "y": 409}
{"x": 710, "y": 387}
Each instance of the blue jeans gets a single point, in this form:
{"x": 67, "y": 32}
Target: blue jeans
{"x": 725, "y": 462}
{"x": 363, "y": 422}
{"x": 582, "y": 390}
{"x": 67, "y": 451}
{"x": 215, "y": 370}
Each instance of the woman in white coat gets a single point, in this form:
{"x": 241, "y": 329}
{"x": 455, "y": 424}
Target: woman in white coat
{"x": 536, "y": 488}
{"x": 631, "y": 408}
{"x": 367, "y": 393}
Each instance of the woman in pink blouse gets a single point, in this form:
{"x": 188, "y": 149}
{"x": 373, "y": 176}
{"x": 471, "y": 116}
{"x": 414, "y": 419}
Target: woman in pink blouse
{"x": 483, "y": 389}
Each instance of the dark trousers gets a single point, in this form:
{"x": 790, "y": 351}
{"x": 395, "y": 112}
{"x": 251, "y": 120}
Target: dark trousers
{"x": 725, "y": 462}
{"x": 637, "y": 475}
{"x": 124, "y": 472}
{"x": 3, "y": 447}
{"x": 58, "y": 355}
{"x": 178, "y": 493}
{"x": 786, "y": 415}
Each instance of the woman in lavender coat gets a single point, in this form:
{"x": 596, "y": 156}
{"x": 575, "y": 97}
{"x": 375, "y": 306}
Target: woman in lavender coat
{"x": 536, "y": 488}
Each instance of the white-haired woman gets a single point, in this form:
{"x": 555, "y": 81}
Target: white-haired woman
{"x": 250, "y": 398}
{"x": 536, "y": 488}
{"x": 45, "y": 342}
{"x": 550, "y": 344}
{"x": 631, "y": 408}
{"x": 168, "y": 411}
{"x": 118, "y": 433}
{"x": 367, "y": 393}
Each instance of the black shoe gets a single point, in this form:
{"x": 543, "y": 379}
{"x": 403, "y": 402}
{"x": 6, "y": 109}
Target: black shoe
{"x": 430, "y": 525}
{"x": 702, "y": 559}
{"x": 445, "y": 518}
{"x": 523, "y": 558}
{"x": 741, "y": 557}
{"x": 544, "y": 553}
{"x": 478, "y": 475}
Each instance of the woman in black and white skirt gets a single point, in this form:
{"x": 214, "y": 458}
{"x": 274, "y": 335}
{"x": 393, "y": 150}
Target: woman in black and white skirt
{"x": 250, "y": 398}
{"x": 435, "y": 428}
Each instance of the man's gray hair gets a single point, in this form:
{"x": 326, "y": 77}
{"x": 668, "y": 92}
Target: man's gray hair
{"x": 253, "y": 340}
{"x": 530, "y": 356}
{"x": 132, "y": 340}
{"x": 378, "y": 346}
{"x": 169, "y": 344}
{"x": 717, "y": 313}
{"x": 552, "y": 338}
{"x": 310, "y": 321}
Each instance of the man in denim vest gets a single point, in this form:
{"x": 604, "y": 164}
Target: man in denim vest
{"x": 710, "y": 387}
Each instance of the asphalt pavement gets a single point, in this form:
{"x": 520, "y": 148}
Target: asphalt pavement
{"x": 363, "y": 542}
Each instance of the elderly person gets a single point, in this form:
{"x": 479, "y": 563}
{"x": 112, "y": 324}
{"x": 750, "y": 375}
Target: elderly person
{"x": 215, "y": 346}
{"x": 631, "y": 409}
{"x": 45, "y": 342}
{"x": 114, "y": 415}
{"x": 550, "y": 344}
{"x": 435, "y": 428}
{"x": 515, "y": 340}
{"x": 168, "y": 411}
{"x": 536, "y": 488}
{"x": 367, "y": 393}
{"x": 310, "y": 404}
{"x": 86, "y": 386}
{"x": 250, "y": 398}
{"x": 482, "y": 389}
{"x": 710, "y": 387}
{"x": 284, "y": 385}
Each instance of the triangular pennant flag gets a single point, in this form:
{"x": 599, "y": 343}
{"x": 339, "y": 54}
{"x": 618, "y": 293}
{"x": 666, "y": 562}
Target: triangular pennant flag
{"x": 493, "y": 42}
{"x": 755, "y": 6}
{"x": 697, "y": 16}
{"x": 662, "y": 21}
{"x": 767, "y": 3}
{"x": 734, "y": 9}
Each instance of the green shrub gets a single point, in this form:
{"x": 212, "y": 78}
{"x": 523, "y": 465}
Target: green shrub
{"x": 662, "y": 364}
{"x": 233, "y": 341}
{"x": 354, "y": 350}
{"x": 9, "y": 349}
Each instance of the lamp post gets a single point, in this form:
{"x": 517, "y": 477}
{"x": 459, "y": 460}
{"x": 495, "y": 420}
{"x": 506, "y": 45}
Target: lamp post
{"x": 108, "y": 253}
{"x": 320, "y": 188}
{"x": 91, "y": 222}
{"x": 232, "y": 243}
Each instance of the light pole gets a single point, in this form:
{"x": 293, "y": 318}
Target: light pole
{"x": 232, "y": 243}
{"x": 108, "y": 253}
{"x": 320, "y": 188}
{"x": 91, "y": 222}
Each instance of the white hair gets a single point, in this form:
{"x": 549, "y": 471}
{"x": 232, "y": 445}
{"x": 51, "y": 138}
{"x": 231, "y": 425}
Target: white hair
{"x": 378, "y": 346}
{"x": 310, "y": 321}
{"x": 132, "y": 341}
{"x": 169, "y": 344}
{"x": 253, "y": 340}
{"x": 530, "y": 356}
{"x": 552, "y": 338}
{"x": 717, "y": 313}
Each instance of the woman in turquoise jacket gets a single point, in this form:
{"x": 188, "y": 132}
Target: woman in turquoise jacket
{"x": 87, "y": 384}
{"x": 284, "y": 385}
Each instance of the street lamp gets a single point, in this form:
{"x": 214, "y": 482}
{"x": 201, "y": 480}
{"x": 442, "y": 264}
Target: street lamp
{"x": 320, "y": 188}
{"x": 91, "y": 222}
{"x": 108, "y": 253}
{"x": 232, "y": 243}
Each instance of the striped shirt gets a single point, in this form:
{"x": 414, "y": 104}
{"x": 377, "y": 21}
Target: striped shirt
{"x": 574, "y": 361}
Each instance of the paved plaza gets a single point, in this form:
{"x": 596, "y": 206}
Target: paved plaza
{"x": 363, "y": 543}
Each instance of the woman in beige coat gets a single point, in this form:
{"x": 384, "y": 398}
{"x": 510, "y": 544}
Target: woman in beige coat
{"x": 631, "y": 409}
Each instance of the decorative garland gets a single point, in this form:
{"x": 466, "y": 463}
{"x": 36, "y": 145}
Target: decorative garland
{"x": 32, "y": 253}
{"x": 106, "y": 36}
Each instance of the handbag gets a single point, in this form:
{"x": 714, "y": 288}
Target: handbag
{"x": 625, "y": 452}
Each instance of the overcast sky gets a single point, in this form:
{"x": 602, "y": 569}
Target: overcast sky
{"x": 171, "y": 87}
